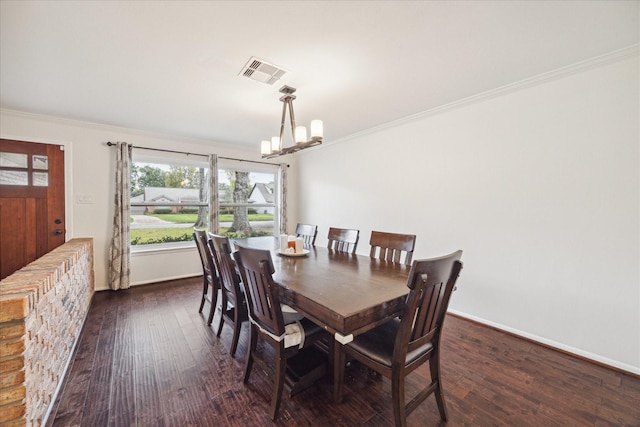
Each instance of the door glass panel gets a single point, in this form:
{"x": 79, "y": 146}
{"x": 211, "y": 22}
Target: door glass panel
{"x": 13, "y": 160}
{"x": 40, "y": 162}
{"x": 14, "y": 178}
{"x": 40, "y": 179}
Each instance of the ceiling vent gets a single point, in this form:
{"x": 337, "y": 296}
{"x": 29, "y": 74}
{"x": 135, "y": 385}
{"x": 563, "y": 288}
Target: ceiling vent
{"x": 262, "y": 71}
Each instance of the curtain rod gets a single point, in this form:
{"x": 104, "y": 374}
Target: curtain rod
{"x": 112, "y": 144}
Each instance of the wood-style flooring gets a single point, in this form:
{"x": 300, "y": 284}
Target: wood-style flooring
{"x": 147, "y": 358}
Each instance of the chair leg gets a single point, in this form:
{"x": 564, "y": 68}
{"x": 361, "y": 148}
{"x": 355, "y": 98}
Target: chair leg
{"x": 214, "y": 303}
{"x": 236, "y": 331}
{"x": 223, "y": 307}
{"x": 204, "y": 294}
{"x": 253, "y": 343}
{"x": 397, "y": 399}
{"x": 434, "y": 367}
{"x": 281, "y": 368}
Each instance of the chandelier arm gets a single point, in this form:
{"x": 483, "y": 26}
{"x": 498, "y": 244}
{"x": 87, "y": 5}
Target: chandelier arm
{"x": 284, "y": 115}
{"x": 292, "y": 119}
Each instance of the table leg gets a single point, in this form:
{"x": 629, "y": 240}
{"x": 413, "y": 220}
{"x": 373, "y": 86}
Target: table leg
{"x": 337, "y": 364}
{"x": 337, "y": 371}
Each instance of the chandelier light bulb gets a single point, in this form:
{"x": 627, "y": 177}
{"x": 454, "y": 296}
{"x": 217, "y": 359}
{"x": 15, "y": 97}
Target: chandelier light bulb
{"x": 265, "y": 147}
{"x": 275, "y": 144}
{"x": 301, "y": 134}
{"x": 316, "y": 129}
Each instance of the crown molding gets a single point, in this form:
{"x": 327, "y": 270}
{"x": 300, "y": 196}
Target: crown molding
{"x": 64, "y": 121}
{"x": 578, "y": 67}
{"x": 581, "y": 66}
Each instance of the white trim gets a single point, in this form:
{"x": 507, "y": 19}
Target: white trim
{"x": 246, "y": 166}
{"x": 151, "y": 249}
{"x": 116, "y": 129}
{"x": 164, "y": 279}
{"x": 550, "y": 343}
{"x": 143, "y": 155}
{"x": 607, "y": 58}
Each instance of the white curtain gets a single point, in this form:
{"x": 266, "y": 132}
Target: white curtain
{"x": 283, "y": 202}
{"x": 120, "y": 250}
{"x": 214, "y": 201}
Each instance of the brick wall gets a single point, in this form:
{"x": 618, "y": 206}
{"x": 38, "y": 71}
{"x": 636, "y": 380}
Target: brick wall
{"x": 42, "y": 309}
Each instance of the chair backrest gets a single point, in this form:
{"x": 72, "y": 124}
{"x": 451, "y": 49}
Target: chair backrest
{"x": 256, "y": 268}
{"x": 343, "y": 239}
{"x": 308, "y": 233}
{"x": 391, "y": 246}
{"x": 208, "y": 267}
{"x": 431, "y": 282}
{"x": 222, "y": 251}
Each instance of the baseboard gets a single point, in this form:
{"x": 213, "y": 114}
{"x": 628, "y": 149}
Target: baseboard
{"x": 563, "y": 348}
{"x": 164, "y": 279}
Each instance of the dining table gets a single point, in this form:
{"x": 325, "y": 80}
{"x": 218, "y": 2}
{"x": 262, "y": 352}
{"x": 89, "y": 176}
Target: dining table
{"x": 346, "y": 294}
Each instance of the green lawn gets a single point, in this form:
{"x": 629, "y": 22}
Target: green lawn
{"x": 146, "y": 236}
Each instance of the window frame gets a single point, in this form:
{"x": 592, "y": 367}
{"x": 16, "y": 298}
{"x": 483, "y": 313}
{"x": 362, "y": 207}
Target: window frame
{"x": 169, "y": 159}
{"x": 253, "y": 167}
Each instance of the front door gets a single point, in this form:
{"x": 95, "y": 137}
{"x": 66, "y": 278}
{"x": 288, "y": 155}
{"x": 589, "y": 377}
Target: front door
{"x": 32, "y": 219}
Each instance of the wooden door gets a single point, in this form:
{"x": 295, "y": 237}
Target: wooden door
{"x": 32, "y": 219}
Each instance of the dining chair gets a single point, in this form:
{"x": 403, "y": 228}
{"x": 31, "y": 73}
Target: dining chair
{"x": 209, "y": 272}
{"x": 396, "y": 348}
{"x": 234, "y": 305}
{"x": 308, "y": 233}
{"x": 267, "y": 322}
{"x": 391, "y": 246}
{"x": 343, "y": 239}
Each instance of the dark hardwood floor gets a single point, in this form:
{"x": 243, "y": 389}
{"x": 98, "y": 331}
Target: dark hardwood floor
{"x": 147, "y": 358}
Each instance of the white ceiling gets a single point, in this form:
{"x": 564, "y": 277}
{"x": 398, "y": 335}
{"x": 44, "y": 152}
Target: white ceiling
{"x": 172, "y": 67}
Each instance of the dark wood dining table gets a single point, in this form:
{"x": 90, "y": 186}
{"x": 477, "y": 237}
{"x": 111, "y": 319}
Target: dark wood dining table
{"x": 346, "y": 294}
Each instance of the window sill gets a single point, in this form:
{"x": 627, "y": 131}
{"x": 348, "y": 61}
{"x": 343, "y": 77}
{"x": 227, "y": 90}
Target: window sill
{"x": 162, "y": 248}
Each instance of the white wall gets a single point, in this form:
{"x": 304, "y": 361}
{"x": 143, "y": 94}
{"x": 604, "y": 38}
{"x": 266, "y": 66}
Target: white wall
{"x": 539, "y": 187}
{"x": 90, "y": 166}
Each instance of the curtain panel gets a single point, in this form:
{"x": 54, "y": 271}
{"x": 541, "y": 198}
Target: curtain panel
{"x": 120, "y": 249}
{"x": 214, "y": 197}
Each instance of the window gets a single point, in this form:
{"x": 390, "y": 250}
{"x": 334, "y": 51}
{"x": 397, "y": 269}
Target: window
{"x": 248, "y": 200}
{"x": 14, "y": 169}
{"x": 169, "y": 197}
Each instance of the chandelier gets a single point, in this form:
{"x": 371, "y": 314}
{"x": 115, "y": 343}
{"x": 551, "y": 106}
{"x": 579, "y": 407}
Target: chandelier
{"x": 274, "y": 147}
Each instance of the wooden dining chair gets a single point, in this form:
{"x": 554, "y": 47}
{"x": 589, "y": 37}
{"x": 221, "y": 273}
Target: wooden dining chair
{"x": 211, "y": 283}
{"x": 256, "y": 268}
{"x": 234, "y": 305}
{"x": 391, "y": 246}
{"x": 308, "y": 233}
{"x": 396, "y": 348}
{"x": 343, "y": 239}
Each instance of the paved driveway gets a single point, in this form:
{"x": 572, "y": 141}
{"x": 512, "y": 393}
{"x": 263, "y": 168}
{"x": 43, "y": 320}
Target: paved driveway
{"x": 147, "y": 221}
